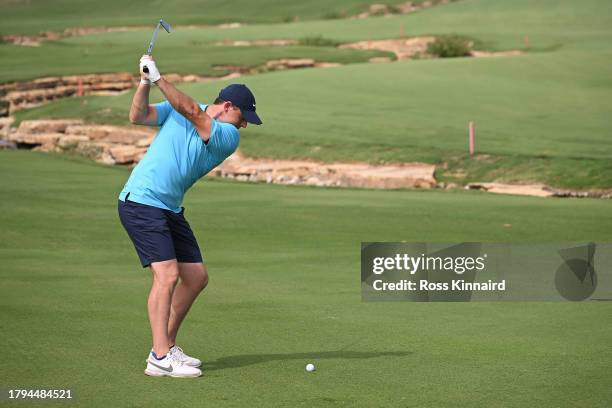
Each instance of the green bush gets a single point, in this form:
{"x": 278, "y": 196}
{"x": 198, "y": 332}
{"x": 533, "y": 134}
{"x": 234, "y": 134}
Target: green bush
{"x": 317, "y": 41}
{"x": 450, "y": 46}
{"x": 332, "y": 15}
{"x": 394, "y": 9}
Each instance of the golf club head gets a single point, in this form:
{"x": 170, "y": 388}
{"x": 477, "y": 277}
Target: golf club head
{"x": 165, "y": 25}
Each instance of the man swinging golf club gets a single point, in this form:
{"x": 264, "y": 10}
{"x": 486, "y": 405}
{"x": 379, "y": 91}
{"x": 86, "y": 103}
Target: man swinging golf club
{"x": 192, "y": 140}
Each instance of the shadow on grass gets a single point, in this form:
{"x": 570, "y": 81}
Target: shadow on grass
{"x": 250, "y": 359}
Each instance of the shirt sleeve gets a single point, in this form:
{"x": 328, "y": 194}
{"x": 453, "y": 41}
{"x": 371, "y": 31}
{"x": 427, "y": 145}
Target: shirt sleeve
{"x": 163, "y": 111}
{"x": 224, "y": 139}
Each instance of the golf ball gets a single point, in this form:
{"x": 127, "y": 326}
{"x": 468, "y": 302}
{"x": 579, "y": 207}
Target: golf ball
{"x": 310, "y": 368}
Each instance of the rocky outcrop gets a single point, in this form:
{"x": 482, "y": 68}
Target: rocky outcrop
{"x": 536, "y": 190}
{"x": 111, "y": 134}
{"x": 32, "y": 40}
{"x": 487, "y": 54}
{"x": 126, "y": 154}
{"x": 247, "y": 43}
{"x": 127, "y": 145}
{"x": 416, "y": 47}
{"x": 5, "y": 127}
{"x": 405, "y": 8}
{"x": 323, "y": 174}
{"x": 295, "y": 63}
{"x": 41, "y": 126}
{"x": 281, "y": 64}
{"x": 103, "y": 143}
{"x": 405, "y": 48}
{"x": 28, "y": 94}
{"x": 36, "y": 40}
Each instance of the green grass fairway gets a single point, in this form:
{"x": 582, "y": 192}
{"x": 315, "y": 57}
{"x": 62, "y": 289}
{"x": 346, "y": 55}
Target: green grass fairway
{"x": 284, "y": 291}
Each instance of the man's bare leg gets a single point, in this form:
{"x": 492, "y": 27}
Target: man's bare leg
{"x": 194, "y": 278}
{"x": 165, "y": 276}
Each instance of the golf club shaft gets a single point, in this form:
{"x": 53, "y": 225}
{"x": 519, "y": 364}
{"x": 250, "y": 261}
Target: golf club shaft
{"x": 150, "y": 50}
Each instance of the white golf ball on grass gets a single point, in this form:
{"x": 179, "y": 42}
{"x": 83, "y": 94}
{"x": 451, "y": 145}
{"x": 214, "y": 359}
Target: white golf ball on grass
{"x": 310, "y": 367}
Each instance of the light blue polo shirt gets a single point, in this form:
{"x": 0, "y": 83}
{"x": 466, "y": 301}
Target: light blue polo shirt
{"x": 177, "y": 158}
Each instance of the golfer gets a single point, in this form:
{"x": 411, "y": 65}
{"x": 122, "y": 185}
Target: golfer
{"x": 193, "y": 139}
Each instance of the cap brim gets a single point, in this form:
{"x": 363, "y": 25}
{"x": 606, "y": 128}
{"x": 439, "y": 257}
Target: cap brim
{"x": 251, "y": 117}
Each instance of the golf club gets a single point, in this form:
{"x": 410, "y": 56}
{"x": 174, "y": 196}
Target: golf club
{"x": 166, "y": 27}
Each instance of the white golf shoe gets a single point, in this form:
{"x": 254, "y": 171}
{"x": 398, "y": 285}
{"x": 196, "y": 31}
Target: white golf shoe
{"x": 187, "y": 360}
{"x": 170, "y": 366}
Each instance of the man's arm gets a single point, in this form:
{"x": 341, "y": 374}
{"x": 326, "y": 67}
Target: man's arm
{"x": 188, "y": 107}
{"x": 141, "y": 113}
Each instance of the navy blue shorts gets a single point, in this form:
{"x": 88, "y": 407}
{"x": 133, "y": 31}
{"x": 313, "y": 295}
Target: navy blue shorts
{"x": 158, "y": 234}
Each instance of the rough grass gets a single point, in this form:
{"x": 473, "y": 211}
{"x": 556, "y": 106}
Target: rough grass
{"x": 34, "y": 16}
{"x": 500, "y": 24}
{"x": 494, "y": 24}
{"x": 540, "y": 111}
{"x": 544, "y": 114}
{"x": 59, "y": 58}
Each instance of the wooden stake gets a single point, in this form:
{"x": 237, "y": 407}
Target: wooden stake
{"x": 80, "y": 87}
{"x": 472, "y": 142}
{"x": 526, "y": 42}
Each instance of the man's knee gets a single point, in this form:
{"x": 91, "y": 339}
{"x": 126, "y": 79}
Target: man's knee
{"x": 165, "y": 273}
{"x": 202, "y": 278}
{"x": 194, "y": 275}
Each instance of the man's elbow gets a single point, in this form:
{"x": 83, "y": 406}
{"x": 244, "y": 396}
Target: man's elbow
{"x": 135, "y": 118}
{"x": 192, "y": 111}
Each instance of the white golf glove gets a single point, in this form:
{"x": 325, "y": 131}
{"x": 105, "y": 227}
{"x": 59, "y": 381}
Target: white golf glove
{"x": 153, "y": 75}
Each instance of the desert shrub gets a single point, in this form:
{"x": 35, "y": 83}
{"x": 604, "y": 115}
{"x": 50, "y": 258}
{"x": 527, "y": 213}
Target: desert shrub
{"x": 450, "y": 46}
{"x": 317, "y": 41}
{"x": 332, "y": 15}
